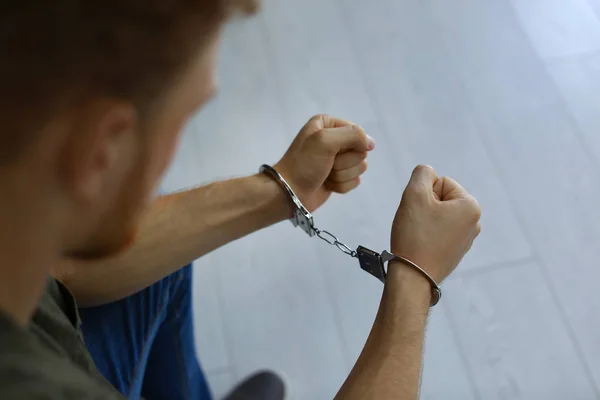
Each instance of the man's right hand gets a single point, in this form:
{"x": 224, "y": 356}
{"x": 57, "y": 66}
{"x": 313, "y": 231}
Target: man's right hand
{"x": 436, "y": 223}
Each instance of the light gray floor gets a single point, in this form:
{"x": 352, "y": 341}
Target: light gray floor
{"x": 503, "y": 95}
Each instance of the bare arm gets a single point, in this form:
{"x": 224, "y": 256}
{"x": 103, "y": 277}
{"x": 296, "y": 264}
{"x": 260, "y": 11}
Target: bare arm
{"x": 435, "y": 226}
{"x": 389, "y": 366}
{"x": 327, "y": 156}
{"x": 176, "y": 230}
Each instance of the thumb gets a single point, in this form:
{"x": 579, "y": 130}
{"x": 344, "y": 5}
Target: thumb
{"x": 344, "y": 138}
{"x": 423, "y": 179}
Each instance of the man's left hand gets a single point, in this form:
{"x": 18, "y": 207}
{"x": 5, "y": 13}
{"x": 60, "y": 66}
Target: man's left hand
{"x": 328, "y": 155}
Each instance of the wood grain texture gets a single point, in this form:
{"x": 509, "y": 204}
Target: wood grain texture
{"x": 513, "y": 338}
{"x": 558, "y": 28}
{"x": 578, "y": 79}
{"x": 278, "y": 313}
{"x": 211, "y": 344}
{"x": 242, "y": 127}
{"x": 444, "y": 374}
{"x": 314, "y": 61}
{"x": 425, "y": 119}
{"x": 533, "y": 143}
{"x": 595, "y": 4}
{"x": 460, "y": 85}
{"x": 220, "y": 382}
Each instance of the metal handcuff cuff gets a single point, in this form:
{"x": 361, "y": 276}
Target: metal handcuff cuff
{"x": 370, "y": 261}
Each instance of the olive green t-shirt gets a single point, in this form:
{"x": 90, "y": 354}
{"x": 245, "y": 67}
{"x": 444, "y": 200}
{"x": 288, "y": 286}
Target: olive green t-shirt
{"x": 48, "y": 359}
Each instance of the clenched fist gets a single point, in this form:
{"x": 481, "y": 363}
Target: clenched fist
{"x": 436, "y": 223}
{"x": 328, "y": 155}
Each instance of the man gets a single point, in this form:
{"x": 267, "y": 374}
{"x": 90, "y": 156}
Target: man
{"x": 93, "y": 97}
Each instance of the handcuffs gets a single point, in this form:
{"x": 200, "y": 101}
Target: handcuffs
{"x": 369, "y": 260}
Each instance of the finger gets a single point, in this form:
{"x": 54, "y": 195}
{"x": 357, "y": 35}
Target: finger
{"x": 446, "y": 189}
{"x": 422, "y": 180}
{"x": 323, "y": 121}
{"x": 348, "y": 159}
{"x": 351, "y": 137}
{"x": 348, "y": 174}
{"x": 344, "y": 187}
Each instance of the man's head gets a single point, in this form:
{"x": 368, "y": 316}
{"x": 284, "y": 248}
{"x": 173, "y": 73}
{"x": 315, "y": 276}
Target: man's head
{"x": 93, "y": 96}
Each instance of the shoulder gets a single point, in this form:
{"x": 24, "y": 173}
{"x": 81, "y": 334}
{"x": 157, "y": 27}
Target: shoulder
{"x": 27, "y": 376}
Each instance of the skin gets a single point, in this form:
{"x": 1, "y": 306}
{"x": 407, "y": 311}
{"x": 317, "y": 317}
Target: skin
{"x": 81, "y": 191}
{"x": 79, "y": 188}
{"x": 435, "y": 226}
{"x": 327, "y": 156}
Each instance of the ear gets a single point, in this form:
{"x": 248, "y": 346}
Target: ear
{"x": 99, "y": 149}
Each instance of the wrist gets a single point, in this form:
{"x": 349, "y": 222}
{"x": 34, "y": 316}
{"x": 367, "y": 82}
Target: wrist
{"x": 407, "y": 289}
{"x": 276, "y": 206}
{"x": 404, "y": 309}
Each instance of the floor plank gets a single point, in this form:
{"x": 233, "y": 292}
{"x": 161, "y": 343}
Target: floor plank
{"x": 316, "y": 67}
{"x": 515, "y": 344}
{"x": 424, "y": 118}
{"x": 595, "y": 4}
{"x": 455, "y": 84}
{"x": 578, "y": 79}
{"x": 278, "y": 314}
{"x": 558, "y": 28}
{"x": 211, "y": 345}
{"x": 444, "y": 372}
{"x": 243, "y": 124}
{"x": 533, "y": 142}
{"x": 220, "y": 382}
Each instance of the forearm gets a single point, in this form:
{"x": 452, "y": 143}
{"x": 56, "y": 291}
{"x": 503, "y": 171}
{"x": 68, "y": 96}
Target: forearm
{"x": 176, "y": 230}
{"x": 389, "y": 366}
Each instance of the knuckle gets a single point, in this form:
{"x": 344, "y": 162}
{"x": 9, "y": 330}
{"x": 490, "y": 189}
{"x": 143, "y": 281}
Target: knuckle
{"x": 321, "y": 116}
{"x": 337, "y": 177}
{"x": 337, "y": 187}
{"x": 319, "y": 119}
{"x": 423, "y": 168}
{"x": 349, "y": 186}
{"x": 358, "y": 130}
{"x": 364, "y": 166}
{"x": 319, "y": 136}
{"x": 339, "y": 164}
{"x": 474, "y": 209}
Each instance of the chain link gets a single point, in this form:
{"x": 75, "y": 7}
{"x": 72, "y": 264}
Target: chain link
{"x": 331, "y": 239}
{"x": 303, "y": 217}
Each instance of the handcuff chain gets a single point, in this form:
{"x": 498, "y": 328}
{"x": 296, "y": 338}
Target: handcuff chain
{"x": 331, "y": 239}
{"x": 303, "y": 217}
{"x": 370, "y": 261}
